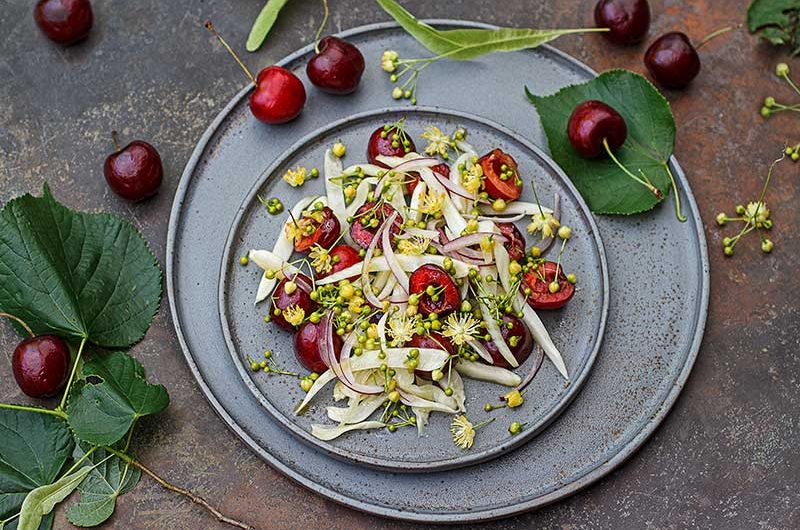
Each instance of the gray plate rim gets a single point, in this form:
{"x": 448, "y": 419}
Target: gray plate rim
{"x": 601, "y": 470}
{"x": 469, "y": 458}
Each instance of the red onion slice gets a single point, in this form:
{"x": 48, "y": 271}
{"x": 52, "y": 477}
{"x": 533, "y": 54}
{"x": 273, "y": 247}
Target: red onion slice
{"x": 391, "y": 259}
{"x": 341, "y": 368}
{"x": 537, "y": 365}
{"x": 472, "y": 239}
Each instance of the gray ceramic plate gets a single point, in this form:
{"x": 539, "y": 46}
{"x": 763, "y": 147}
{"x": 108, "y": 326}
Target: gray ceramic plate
{"x": 577, "y": 329}
{"x": 658, "y": 279}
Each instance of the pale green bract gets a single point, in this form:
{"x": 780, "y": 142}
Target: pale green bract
{"x": 43, "y": 499}
{"x": 263, "y": 24}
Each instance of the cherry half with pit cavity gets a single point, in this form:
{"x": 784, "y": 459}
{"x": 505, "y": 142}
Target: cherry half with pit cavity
{"x": 537, "y": 284}
{"x": 64, "y": 21}
{"x": 336, "y": 67}
{"x": 134, "y": 172}
{"x": 502, "y": 180}
{"x": 320, "y": 228}
{"x": 627, "y": 20}
{"x": 435, "y": 289}
{"x": 388, "y": 140}
{"x": 672, "y": 60}
{"x": 342, "y": 257}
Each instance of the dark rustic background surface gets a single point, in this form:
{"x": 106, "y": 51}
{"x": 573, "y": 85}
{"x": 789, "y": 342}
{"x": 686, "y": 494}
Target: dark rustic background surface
{"x": 728, "y": 456}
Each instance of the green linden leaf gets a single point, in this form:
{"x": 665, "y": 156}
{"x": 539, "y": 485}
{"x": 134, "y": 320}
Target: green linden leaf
{"x": 33, "y": 450}
{"x": 78, "y": 275}
{"x": 101, "y": 413}
{"x": 777, "y": 21}
{"x": 263, "y": 24}
{"x": 43, "y": 499}
{"x": 651, "y": 139}
{"x": 465, "y": 44}
{"x": 110, "y": 478}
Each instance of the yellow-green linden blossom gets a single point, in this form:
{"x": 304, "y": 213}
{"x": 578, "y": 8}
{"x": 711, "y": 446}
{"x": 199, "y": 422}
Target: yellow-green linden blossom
{"x": 320, "y": 259}
{"x": 401, "y": 329}
{"x": 460, "y": 328}
{"x": 463, "y": 432}
{"x": 757, "y": 213}
{"x": 438, "y": 142}
{"x": 514, "y": 399}
{"x": 473, "y": 178}
{"x": 430, "y": 202}
{"x": 544, "y": 223}
{"x": 295, "y": 177}
{"x": 294, "y": 315}
{"x": 414, "y": 246}
{"x": 389, "y": 61}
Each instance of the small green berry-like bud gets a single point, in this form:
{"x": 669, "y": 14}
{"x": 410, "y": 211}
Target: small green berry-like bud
{"x": 740, "y": 209}
{"x": 769, "y": 102}
{"x": 244, "y": 260}
{"x": 767, "y": 246}
{"x": 728, "y": 251}
{"x": 553, "y": 287}
{"x": 795, "y": 156}
{"x": 564, "y": 232}
{"x": 726, "y": 241}
{"x": 765, "y": 112}
{"x": 571, "y": 278}
{"x": 782, "y": 69}
{"x": 515, "y": 427}
{"x": 397, "y": 93}
{"x": 448, "y": 391}
{"x": 722, "y": 219}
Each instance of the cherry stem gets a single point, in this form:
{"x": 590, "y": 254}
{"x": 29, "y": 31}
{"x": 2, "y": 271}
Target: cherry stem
{"x": 247, "y": 71}
{"x": 714, "y": 34}
{"x": 177, "y": 489}
{"x": 115, "y": 140}
{"x": 678, "y": 212}
{"x": 20, "y": 322}
{"x": 321, "y": 26}
{"x": 72, "y": 375}
{"x": 645, "y": 183}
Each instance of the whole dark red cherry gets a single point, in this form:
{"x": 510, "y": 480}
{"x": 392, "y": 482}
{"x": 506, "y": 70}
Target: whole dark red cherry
{"x": 446, "y": 296}
{"x": 324, "y": 233}
{"x": 300, "y": 296}
{"x": 592, "y": 122}
{"x": 516, "y": 241}
{"x": 135, "y": 171}
{"x": 672, "y": 60}
{"x": 64, "y": 21}
{"x": 342, "y": 257}
{"x": 627, "y": 20}
{"x": 279, "y": 96}
{"x": 306, "y": 346}
{"x": 41, "y": 365}
{"x": 337, "y": 67}
{"x": 521, "y": 347}
{"x": 380, "y": 143}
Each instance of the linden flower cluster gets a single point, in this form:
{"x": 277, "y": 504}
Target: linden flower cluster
{"x": 773, "y": 107}
{"x": 297, "y": 177}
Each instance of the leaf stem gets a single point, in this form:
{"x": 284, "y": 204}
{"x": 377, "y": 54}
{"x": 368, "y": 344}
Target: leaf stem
{"x": 72, "y": 375}
{"x": 177, "y": 489}
{"x": 678, "y": 212}
{"x": 648, "y": 185}
{"x": 20, "y": 322}
{"x": 58, "y": 413}
{"x": 321, "y": 26}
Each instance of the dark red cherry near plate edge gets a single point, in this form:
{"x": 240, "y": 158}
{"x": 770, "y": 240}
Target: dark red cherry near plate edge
{"x": 64, "y": 21}
{"x": 336, "y": 67}
{"x": 672, "y": 60}
{"x": 627, "y": 20}
{"x": 134, "y": 172}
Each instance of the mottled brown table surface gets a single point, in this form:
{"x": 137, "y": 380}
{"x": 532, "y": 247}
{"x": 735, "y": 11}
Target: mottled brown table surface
{"x": 728, "y": 455}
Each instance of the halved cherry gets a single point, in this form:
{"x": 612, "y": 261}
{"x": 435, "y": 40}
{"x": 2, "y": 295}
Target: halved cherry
{"x": 299, "y": 295}
{"x": 368, "y": 219}
{"x": 442, "y": 169}
{"x": 436, "y": 290}
{"x": 306, "y": 346}
{"x": 323, "y": 232}
{"x": 435, "y": 341}
{"x": 501, "y": 183}
{"x": 516, "y": 241}
{"x": 380, "y": 143}
{"x": 518, "y": 338}
{"x": 538, "y": 281}
{"x": 342, "y": 256}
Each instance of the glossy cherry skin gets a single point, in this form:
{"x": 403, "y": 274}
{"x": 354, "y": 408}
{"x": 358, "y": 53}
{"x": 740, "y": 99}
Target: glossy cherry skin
{"x": 306, "y": 346}
{"x": 337, "y": 68}
{"x": 442, "y": 169}
{"x": 672, "y": 60}
{"x": 279, "y": 96}
{"x": 378, "y": 145}
{"x": 300, "y": 297}
{"x": 41, "y": 365}
{"x": 325, "y": 233}
{"x": 511, "y": 327}
{"x": 343, "y": 257}
{"x": 592, "y": 122}
{"x": 538, "y": 281}
{"x": 435, "y": 341}
{"x": 363, "y": 235}
{"x": 134, "y": 172}
{"x": 64, "y": 21}
{"x": 491, "y": 163}
{"x": 627, "y": 20}
{"x": 449, "y": 298}
{"x": 516, "y": 241}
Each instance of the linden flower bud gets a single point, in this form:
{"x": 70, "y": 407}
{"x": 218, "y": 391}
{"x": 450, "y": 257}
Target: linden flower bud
{"x": 769, "y": 102}
{"x": 514, "y": 399}
{"x": 782, "y": 69}
{"x": 290, "y": 287}
{"x": 767, "y": 246}
{"x": 565, "y": 232}
{"x": 394, "y": 396}
{"x": 765, "y": 112}
{"x": 721, "y": 219}
{"x": 339, "y": 150}
{"x": 437, "y": 375}
{"x": 553, "y": 287}
{"x": 397, "y": 93}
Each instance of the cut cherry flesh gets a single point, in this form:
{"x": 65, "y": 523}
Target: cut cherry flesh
{"x": 300, "y": 297}
{"x": 494, "y": 184}
{"x": 448, "y": 297}
{"x": 434, "y": 341}
{"x": 347, "y": 257}
{"x": 337, "y": 68}
{"x": 592, "y": 122}
{"x": 522, "y": 347}
{"x": 41, "y": 365}
{"x": 442, "y": 169}
{"x": 672, "y": 60}
{"x": 627, "y": 20}
{"x": 378, "y": 145}
{"x": 64, "y": 21}
{"x": 325, "y": 234}
{"x": 306, "y": 346}
{"x": 538, "y": 281}
{"x": 363, "y": 235}
{"x": 279, "y": 96}
{"x": 134, "y": 172}
{"x": 516, "y": 241}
